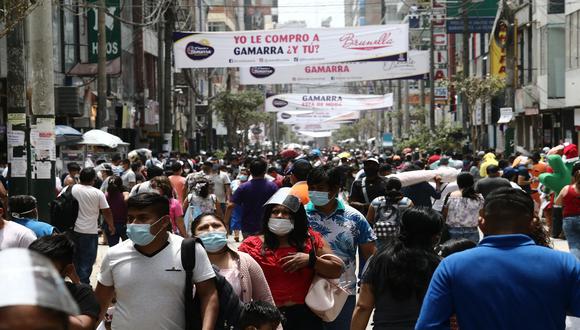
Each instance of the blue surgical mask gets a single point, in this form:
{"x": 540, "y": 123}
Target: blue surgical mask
{"x": 243, "y": 178}
{"x": 213, "y": 241}
{"x": 140, "y": 233}
{"x": 319, "y": 198}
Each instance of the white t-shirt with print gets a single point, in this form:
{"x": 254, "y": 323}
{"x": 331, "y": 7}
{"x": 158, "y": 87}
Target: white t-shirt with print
{"x": 149, "y": 290}
{"x": 91, "y": 202}
{"x": 14, "y": 235}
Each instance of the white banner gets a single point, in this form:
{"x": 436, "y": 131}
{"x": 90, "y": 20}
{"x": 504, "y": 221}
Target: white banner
{"x": 328, "y": 102}
{"x": 416, "y": 67}
{"x": 315, "y": 127}
{"x": 323, "y": 117}
{"x": 316, "y": 134}
{"x": 288, "y": 46}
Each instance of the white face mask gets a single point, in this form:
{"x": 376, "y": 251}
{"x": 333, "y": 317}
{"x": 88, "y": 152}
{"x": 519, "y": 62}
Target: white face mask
{"x": 280, "y": 227}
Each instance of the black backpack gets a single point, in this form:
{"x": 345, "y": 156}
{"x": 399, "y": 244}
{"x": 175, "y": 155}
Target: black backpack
{"x": 64, "y": 210}
{"x": 387, "y": 221}
{"x": 230, "y": 305}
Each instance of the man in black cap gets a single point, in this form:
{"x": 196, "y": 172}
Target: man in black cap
{"x": 365, "y": 189}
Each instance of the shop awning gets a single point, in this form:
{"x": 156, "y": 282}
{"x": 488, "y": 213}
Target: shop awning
{"x": 91, "y": 69}
{"x": 505, "y": 115}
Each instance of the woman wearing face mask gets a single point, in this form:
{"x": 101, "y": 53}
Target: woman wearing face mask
{"x": 241, "y": 271}
{"x": 283, "y": 253}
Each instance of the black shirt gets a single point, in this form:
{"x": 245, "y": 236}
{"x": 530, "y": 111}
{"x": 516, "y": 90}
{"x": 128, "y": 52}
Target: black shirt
{"x": 486, "y": 185}
{"x": 375, "y": 188}
{"x": 85, "y": 297}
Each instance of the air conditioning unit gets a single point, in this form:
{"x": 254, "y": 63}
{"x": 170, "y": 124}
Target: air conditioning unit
{"x": 66, "y": 102}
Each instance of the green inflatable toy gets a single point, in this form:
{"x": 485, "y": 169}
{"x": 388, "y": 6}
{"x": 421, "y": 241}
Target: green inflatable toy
{"x": 561, "y": 177}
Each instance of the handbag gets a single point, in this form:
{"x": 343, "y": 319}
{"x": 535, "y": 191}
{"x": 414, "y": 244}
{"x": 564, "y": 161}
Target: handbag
{"x": 325, "y": 297}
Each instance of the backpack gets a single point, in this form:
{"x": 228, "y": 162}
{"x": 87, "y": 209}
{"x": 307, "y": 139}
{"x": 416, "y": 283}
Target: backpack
{"x": 387, "y": 221}
{"x": 64, "y": 210}
{"x": 230, "y": 305}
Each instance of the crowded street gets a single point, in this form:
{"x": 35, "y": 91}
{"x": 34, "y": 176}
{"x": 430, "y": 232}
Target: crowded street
{"x": 289, "y": 165}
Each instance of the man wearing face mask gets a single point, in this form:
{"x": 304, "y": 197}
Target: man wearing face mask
{"x": 23, "y": 211}
{"x": 343, "y": 227}
{"x": 365, "y": 189}
{"x": 146, "y": 275}
{"x": 60, "y": 250}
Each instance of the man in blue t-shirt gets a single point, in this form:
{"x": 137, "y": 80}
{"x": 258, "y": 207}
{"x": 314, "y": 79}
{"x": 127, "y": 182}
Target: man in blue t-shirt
{"x": 251, "y": 196}
{"x": 22, "y": 210}
{"x": 507, "y": 281}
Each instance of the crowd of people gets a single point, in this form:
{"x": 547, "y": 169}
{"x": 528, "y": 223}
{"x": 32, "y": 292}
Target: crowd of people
{"x": 416, "y": 239}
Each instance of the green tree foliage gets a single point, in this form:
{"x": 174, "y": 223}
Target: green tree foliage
{"x": 239, "y": 111}
{"x": 477, "y": 88}
{"x": 445, "y": 137}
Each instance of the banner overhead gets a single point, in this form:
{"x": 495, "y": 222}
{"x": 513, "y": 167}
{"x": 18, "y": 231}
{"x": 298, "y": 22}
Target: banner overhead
{"x": 328, "y": 102}
{"x": 288, "y": 46}
{"x": 416, "y": 67}
{"x": 323, "y": 117}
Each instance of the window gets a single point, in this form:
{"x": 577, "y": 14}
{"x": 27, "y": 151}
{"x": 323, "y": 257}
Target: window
{"x": 216, "y": 26}
{"x": 70, "y": 36}
{"x": 573, "y": 52}
{"x": 556, "y": 6}
{"x": 521, "y": 57}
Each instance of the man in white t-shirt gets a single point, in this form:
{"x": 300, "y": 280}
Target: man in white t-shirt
{"x": 145, "y": 274}
{"x": 92, "y": 203}
{"x": 13, "y": 235}
{"x": 221, "y": 187}
{"x": 128, "y": 176}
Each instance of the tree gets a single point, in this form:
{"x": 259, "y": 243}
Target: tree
{"x": 239, "y": 111}
{"x": 476, "y": 89}
{"x": 13, "y": 12}
{"x": 445, "y": 137}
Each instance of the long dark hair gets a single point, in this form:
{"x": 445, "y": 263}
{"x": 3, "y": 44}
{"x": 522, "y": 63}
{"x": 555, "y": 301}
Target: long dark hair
{"x": 405, "y": 266}
{"x": 296, "y": 238}
{"x": 466, "y": 183}
{"x": 115, "y": 184}
{"x": 393, "y": 190}
{"x": 201, "y": 187}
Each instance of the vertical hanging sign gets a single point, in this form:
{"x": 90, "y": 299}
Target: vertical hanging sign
{"x": 112, "y": 26}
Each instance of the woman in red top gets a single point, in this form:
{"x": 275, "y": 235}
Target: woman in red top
{"x": 569, "y": 199}
{"x": 283, "y": 253}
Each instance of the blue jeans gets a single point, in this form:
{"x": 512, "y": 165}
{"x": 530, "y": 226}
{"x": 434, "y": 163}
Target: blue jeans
{"x": 120, "y": 234}
{"x": 85, "y": 255}
{"x": 342, "y": 322}
{"x": 470, "y": 233}
{"x": 571, "y": 228}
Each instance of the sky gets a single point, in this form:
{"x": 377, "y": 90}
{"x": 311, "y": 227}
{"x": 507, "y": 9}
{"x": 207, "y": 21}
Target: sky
{"x": 311, "y": 11}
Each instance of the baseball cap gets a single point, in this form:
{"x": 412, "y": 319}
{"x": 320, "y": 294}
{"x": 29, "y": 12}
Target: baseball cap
{"x": 300, "y": 163}
{"x": 372, "y": 159}
{"x": 283, "y": 197}
{"x": 28, "y": 278}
